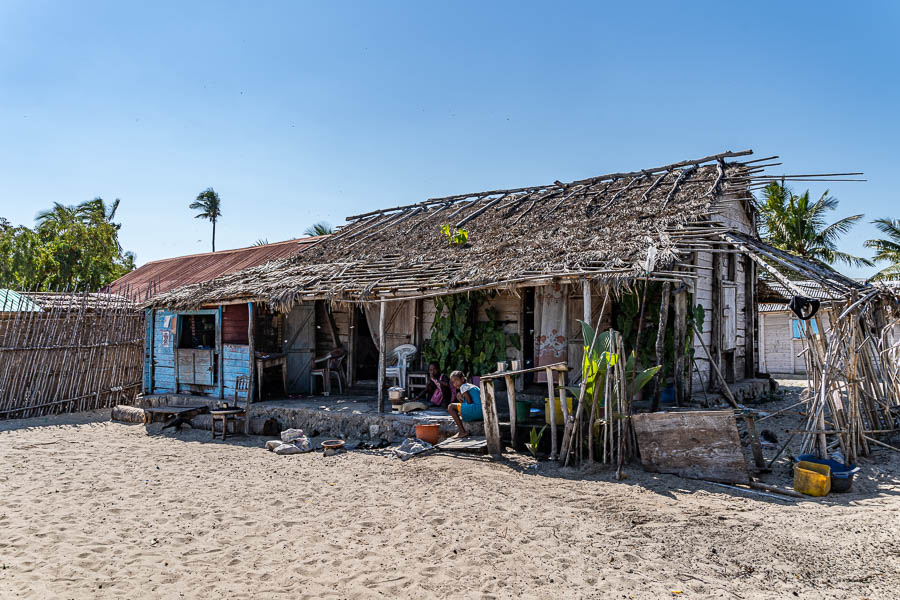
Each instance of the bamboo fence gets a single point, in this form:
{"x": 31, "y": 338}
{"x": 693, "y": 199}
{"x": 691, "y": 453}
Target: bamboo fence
{"x": 78, "y": 352}
{"x": 854, "y": 377}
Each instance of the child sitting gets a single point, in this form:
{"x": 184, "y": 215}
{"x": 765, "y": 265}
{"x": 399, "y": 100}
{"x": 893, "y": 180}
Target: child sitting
{"x": 468, "y": 407}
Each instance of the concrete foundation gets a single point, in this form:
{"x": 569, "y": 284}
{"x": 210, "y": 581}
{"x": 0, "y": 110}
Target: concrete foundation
{"x": 350, "y": 417}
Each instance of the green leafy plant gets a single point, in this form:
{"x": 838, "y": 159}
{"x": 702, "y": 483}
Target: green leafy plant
{"x": 459, "y": 340}
{"x": 455, "y": 237}
{"x": 597, "y": 363}
{"x": 535, "y": 440}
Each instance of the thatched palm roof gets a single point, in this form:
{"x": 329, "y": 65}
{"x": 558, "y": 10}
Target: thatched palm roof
{"x": 618, "y": 226}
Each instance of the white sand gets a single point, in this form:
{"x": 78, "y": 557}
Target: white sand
{"x": 94, "y": 509}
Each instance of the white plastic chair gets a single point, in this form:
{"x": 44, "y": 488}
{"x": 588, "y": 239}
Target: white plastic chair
{"x": 403, "y": 355}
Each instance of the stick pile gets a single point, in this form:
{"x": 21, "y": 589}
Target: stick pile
{"x": 79, "y": 352}
{"x": 854, "y": 376}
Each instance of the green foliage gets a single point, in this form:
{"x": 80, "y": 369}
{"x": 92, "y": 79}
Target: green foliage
{"x": 460, "y": 341}
{"x": 535, "y": 440}
{"x": 71, "y": 247}
{"x": 596, "y": 366}
{"x": 320, "y": 228}
{"x": 887, "y": 249}
{"x": 457, "y": 237}
{"x": 797, "y": 225}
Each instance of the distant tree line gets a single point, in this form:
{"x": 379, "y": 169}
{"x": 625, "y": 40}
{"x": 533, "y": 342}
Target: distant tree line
{"x": 69, "y": 247}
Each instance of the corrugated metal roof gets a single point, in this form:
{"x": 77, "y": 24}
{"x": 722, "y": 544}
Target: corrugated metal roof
{"x": 170, "y": 273}
{"x": 773, "y": 291}
{"x": 12, "y": 301}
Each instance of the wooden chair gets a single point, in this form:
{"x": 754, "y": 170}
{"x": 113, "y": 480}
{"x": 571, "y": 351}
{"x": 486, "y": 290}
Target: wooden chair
{"x": 236, "y": 414}
{"x": 333, "y": 365}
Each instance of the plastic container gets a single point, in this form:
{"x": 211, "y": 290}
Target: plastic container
{"x": 812, "y": 479}
{"x": 523, "y": 411}
{"x": 668, "y": 395}
{"x": 428, "y": 433}
{"x": 559, "y": 413}
{"x": 841, "y": 474}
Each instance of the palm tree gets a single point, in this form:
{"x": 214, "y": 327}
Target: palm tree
{"x": 797, "y": 225}
{"x": 96, "y": 210}
{"x": 887, "y": 250}
{"x": 209, "y": 204}
{"x": 320, "y": 228}
{"x": 57, "y": 217}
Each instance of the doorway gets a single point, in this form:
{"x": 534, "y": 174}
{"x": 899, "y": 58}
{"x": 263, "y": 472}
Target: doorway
{"x": 365, "y": 354}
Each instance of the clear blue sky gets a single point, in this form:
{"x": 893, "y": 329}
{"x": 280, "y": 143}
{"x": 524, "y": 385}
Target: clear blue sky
{"x": 300, "y": 112}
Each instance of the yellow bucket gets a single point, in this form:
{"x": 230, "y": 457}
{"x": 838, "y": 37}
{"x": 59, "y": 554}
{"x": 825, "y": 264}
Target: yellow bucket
{"x": 812, "y": 479}
{"x": 559, "y": 414}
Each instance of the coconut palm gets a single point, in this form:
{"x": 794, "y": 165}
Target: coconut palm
{"x": 97, "y": 211}
{"x": 887, "y": 250}
{"x": 797, "y": 225}
{"x": 57, "y": 217}
{"x": 320, "y": 228}
{"x": 209, "y": 204}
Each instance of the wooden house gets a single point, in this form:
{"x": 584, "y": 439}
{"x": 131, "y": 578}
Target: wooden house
{"x": 671, "y": 248}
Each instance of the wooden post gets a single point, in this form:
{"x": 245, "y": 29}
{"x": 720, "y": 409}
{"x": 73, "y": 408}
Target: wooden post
{"x": 251, "y": 340}
{"x": 750, "y": 318}
{"x": 491, "y": 422}
{"x": 661, "y": 343}
{"x": 550, "y": 396}
{"x": 680, "y": 331}
{"x": 418, "y": 332}
{"x": 381, "y": 356}
{"x": 754, "y": 441}
{"x": 220, "y": 348}
{"x": 332, "y": 327}
{"x": 586, "y": 299}
{"x": 511, "y": 397}
{"x": 351, "y": 345}
{"x": 715, "y": 320}
{"x": 568, "y": 420}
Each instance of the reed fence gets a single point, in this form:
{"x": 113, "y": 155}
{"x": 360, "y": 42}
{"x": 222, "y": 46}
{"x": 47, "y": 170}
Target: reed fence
{"x": 854, "y": 377}
{"x": 67, "y": 352}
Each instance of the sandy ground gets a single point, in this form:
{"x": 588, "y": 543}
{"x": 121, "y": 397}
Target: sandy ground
{"x": 95, "y": 509}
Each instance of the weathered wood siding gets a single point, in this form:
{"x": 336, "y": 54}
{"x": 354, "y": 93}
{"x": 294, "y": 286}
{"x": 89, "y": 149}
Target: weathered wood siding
{"x": 164, "y": 352}
{"x": 235, "y": 362}
{"x": 235, "y": 324}
{"x": 779, "y": 352}
{"x": 734, "y": 215}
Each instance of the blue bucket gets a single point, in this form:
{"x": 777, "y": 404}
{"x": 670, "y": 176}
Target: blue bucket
{"x": 668, "y": 395}
{"x": 841, "y": 474}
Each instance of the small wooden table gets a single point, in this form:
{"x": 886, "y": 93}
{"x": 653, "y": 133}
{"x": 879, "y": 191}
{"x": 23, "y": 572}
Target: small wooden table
{"x": 174, "y": 413}
{"x": 266, "y": 361}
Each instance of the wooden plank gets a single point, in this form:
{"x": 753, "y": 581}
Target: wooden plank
{"x": 696, "y": 445}
{"x": 491, "y": 421}
{"x": 381, "y": 357}
{"x": 511, "y": 398}
{"x": 550, "y": 396}
{"x": 467, "y": 444}
{"x": 560, "y": 366}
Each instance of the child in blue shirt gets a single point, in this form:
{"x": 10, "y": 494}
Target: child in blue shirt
{"x": 468, "y": 404}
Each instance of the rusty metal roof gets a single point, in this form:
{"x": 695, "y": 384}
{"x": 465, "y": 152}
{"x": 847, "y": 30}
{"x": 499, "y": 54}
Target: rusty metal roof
{"x": 163, "y": 275}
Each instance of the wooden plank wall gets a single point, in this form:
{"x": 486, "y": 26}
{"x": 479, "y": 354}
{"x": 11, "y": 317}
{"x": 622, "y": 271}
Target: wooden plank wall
{"x": 236, "y": 362}
{"x": 734, "y": 215}
{"x": 235, "y": 322}
{"x": 164, "y": 352}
